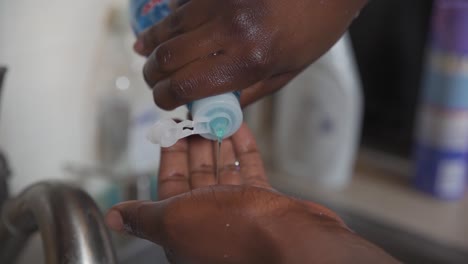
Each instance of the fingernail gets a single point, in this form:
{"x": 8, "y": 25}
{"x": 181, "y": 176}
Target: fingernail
{"x": 114, "y": 220}
{"x": 138, "y": 46}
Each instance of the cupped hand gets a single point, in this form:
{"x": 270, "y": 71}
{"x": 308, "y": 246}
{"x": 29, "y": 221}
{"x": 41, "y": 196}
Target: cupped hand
{"x": 237, "y": 218}
{"x": 209, "y": 47}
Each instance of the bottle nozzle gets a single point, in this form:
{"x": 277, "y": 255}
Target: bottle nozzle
{"x": 219, "y": 127}
{"x": 214, "y": 118}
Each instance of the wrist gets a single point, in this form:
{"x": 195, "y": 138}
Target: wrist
{"x": 302, "y": 236}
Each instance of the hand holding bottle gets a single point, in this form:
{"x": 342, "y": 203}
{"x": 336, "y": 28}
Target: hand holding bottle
{"x": 210, "y": 47}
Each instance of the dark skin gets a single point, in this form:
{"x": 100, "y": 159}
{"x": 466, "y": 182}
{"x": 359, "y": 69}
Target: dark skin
{"x": 240, "y": 220}
{"x": 209, "y": 47}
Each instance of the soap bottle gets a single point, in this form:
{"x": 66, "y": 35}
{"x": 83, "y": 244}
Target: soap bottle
{"x": 317, "y": 121}
{"x": 214, "y": 118}
{"x": 441, "y": 139}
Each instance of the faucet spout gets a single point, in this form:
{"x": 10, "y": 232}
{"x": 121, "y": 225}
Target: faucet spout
{"x": 70, "y": 224}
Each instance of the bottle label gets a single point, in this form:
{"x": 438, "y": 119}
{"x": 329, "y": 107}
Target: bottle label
{"x": 446, "y": 81}
{"x": 446, "y": 76}
{"x": 145, "y": 13}
{"x": 441, "y": 173}
{"x": 441, "y": 149}
{"x": 443, "y": 128}
{"x": 449, "y": 30}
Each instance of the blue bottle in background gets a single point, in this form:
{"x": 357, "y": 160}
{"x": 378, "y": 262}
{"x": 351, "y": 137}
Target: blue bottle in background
{"x": 441, "y": 147}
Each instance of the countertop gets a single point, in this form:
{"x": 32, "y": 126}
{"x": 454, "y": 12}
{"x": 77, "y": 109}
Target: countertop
{"x": 380, "y": 189}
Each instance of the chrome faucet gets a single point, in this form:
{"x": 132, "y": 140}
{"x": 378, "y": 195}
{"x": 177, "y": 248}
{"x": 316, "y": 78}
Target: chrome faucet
{"x": 69, "y": 222}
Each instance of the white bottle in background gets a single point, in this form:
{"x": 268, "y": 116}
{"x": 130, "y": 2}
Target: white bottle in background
{"x": 318, "y": 117}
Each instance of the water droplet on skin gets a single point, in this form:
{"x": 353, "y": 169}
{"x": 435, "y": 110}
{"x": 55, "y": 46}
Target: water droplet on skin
{"x": 228, "y": 225}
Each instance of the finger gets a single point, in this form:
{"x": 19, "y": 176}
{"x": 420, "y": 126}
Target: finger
{"x": 185, "y": 18}
{"x": 251, "y": 165}
{"x": 174, "y": 4}
{"x": 138, "y": 218}
{"x": 266, "y": 87}
{"x": 229, "y": 172}
{"x": 175, "y": 53}
{"x": 201, "y": 162}
{"x": 203, "y": 78}
{"x": 173, "y": 176}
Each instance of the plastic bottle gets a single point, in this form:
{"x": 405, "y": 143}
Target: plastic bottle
{"x": 214, "y": 118}
{"x": 318, "y": 117}
{"x": 441, "y": 140}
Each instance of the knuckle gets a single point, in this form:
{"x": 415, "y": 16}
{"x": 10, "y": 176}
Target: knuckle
{"x": 254, "y": 63}
{"x": 204, "y": 172}
{"x": 132, "y": 223}
{"x": 182, "y": 90}
{"x": 175, "y": 21}
{"x": 259, "y": 58}
{"x": 248, "y": 19}
{"x": 244, "y": 24}
{"x": 138, "y": 228}
{"x": 163, "y": 57}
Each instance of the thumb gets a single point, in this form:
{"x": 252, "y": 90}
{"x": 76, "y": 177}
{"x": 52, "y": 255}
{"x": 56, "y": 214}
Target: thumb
{"x": 138, "y": 218}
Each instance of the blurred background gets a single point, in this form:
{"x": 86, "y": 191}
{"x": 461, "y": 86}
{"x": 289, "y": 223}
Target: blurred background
{"x": 359, "y": 131}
